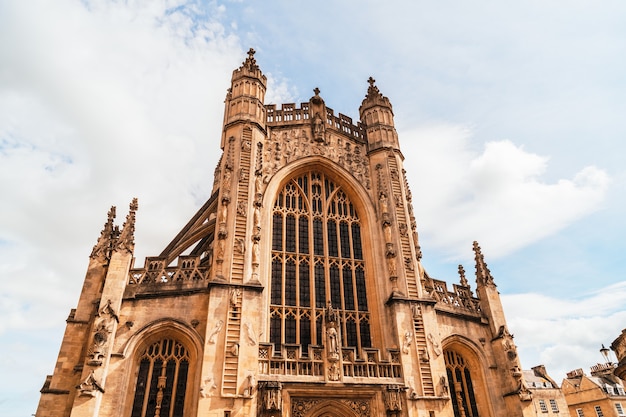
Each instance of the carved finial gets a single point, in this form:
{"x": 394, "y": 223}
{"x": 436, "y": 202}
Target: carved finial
{"x": 126, "y": 239}
{"x": 373, "y": 91}
{"x": 374, "y": 96}
{"x": 102, "y": 248}
{"x": 250, "y": 62}
{"x": 483, "y": 275}
{"x": 316, "y": 91}
{"x": 462, "y": 274}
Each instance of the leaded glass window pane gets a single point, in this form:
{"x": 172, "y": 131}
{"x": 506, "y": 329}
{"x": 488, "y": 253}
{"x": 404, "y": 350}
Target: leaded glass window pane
{"x": 312, "y": 210}
{"x": 167, "y": 361}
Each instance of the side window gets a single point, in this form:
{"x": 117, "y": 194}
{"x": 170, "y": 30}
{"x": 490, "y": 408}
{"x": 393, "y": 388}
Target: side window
{"x": 161, "y": 380}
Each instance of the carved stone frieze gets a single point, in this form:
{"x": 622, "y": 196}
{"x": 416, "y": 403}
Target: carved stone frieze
{"x": 301, "y": 406}
{"x": 286, "y": 146}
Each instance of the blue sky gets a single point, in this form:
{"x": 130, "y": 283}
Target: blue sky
{"x": 510, "y": 118}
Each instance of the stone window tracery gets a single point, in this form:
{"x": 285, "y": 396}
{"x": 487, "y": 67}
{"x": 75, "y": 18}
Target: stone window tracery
{"x": 161, "y": 380}
{"x": 312, "y": 212}
{"x": 461, "y": 385}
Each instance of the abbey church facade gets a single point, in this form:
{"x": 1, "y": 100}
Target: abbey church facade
{"x": 296, "y": 290}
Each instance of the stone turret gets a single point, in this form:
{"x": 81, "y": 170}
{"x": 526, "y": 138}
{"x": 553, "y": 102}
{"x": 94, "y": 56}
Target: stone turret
{"x": 377, "y": 115}
{"x": 246, "y": 95}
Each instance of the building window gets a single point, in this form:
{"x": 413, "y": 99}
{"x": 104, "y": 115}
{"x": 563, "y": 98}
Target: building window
{"x": 161, "y": 380}
{"x": 311, "y": 211}
{"x": 461, "y": 386}
{"x": 579, "y": 412}
{"x": 554, "y": 406}
{"x": 599, "y": 411}
{"x": 620, "y": 410}
{"x": 542, "y": 406}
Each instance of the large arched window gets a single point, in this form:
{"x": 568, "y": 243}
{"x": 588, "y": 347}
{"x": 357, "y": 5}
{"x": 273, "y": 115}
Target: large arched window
{"x": 461, "y": 386}
{"x": 317, "y": 258}
{"x": 161, "y": 380}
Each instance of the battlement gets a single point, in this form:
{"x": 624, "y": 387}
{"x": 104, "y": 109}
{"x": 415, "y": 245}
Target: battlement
{"x": 289, "y": 114}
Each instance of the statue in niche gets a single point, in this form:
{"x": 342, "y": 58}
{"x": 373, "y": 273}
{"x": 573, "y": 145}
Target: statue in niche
{"x": 333, "y": 343}
{"x": 318, "y": 128}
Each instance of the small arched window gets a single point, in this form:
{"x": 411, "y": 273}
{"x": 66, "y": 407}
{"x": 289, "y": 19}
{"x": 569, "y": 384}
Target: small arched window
{"x": 317, "y": 258}
{"x": 161, "y": 380}
{"x": 461, "y": 385}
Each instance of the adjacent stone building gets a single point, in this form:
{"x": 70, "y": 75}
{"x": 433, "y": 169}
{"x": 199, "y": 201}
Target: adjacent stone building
{"x": 297, "y": 290}
{"x": 548, "y": 398}
{"x": 599, "y": 395}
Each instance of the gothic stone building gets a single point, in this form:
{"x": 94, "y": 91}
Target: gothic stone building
{"x": 297, "y": 290}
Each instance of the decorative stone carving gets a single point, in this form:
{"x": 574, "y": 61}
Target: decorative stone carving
{"x": 507, "y": 343}
{"x": 234, "y": 349}
{"x": 90, "y": 386}
{"x": 412, "y": 392}
{"x": 235, "y": 293}
{"x": 393, "y": 399}
{"x": 104, "y": 325}
{"x": 443, "y": 386}
{"x": 240, "y": 245}
{"x": 102, "y": 248}
{"x": 208, "y": 386}
{"x": 406, "y": 342}
{"x": 434, "y": 345}
{"x": 300, "y": 407}
{"x": 242, "y": 209}
{"x": 249, "y": 385}
{"x": 521, "y": 387}
{"x": 289, "y": 145}
{"x": 271, "y": 396}
{"x": 215, "y": 331}
{"x": 126, "y": 239}
{"x": 333, "y": 343}
{"x": 333, "y": 372}
{"x": 250, "y": 335}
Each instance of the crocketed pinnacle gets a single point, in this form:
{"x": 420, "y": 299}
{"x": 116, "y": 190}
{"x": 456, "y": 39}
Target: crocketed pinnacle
{"x": 126, "y": 240}
{"x": 483, "y": 275}
{"x": 102, "y": 248}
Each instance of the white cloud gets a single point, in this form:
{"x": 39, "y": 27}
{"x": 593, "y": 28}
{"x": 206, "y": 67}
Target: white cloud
{"x": 496, "y": 196}
{"x": 565, "y": 334}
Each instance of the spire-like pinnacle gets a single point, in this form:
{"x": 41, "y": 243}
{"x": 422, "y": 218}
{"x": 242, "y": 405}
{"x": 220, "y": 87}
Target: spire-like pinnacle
{"x": 102, "y": 248}
{"x": 126, "y": 239}
{"x": 483, "y": 275}
{"x": 462, "y": 275}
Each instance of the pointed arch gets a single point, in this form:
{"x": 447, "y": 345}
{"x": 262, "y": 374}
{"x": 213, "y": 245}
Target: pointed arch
{"x": 331, "y": 408}
{"x": 320, "y": 248}
{"x": 163, "y": 365}
{"x": 465, "y": 367}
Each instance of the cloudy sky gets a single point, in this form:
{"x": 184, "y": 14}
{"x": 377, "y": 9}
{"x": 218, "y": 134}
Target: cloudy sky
{"x": 510, "y": 116}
